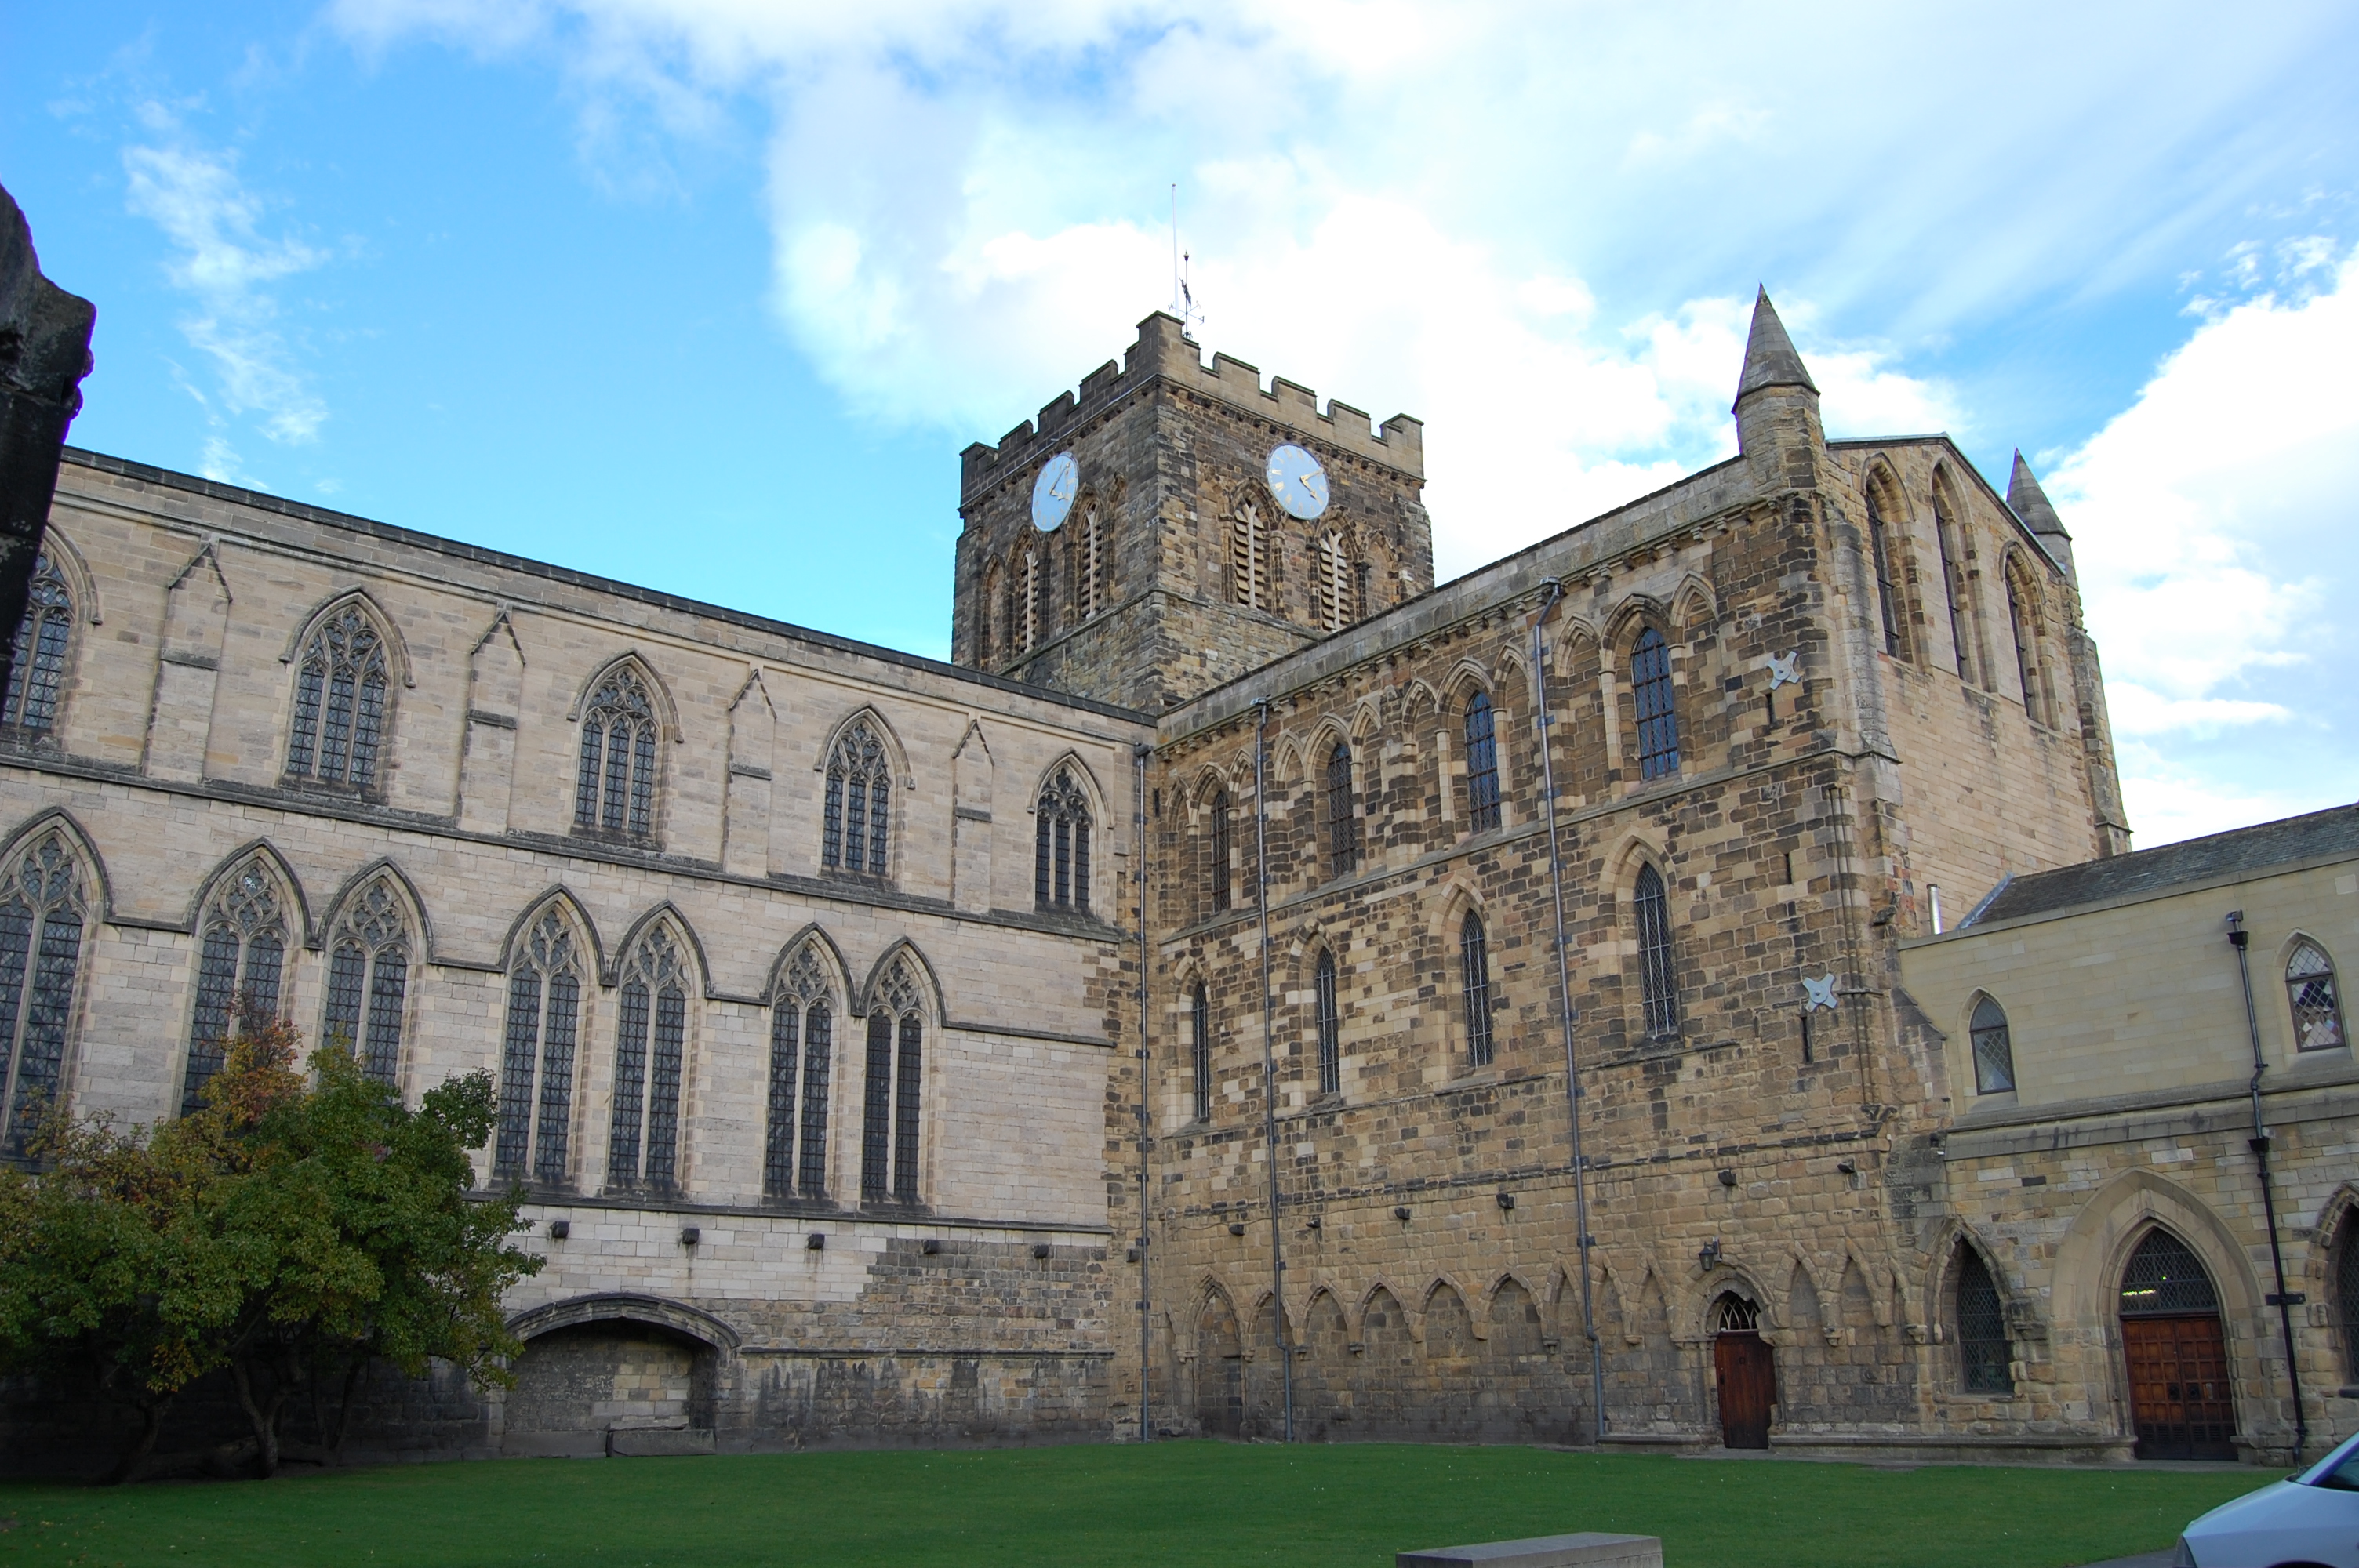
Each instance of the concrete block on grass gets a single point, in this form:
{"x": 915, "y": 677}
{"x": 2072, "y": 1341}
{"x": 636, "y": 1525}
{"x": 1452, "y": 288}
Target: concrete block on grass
{"x": 1587, "y": 1549}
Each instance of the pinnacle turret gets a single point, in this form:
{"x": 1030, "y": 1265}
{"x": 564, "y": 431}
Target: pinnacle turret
{"x": 1769, "y": 356}
{"x": 2031, "y": 504}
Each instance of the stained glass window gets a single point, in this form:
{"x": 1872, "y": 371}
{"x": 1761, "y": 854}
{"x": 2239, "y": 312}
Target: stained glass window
{"x": 856, "y": 826}
{"x": 40, "y": 955}
{"x": 615, "y": 789}
{"x": 340, "y": 690}
{"x": 2317, "y": 1006}
{"x": 1659, "y": 980}
{"x": 1651, "y": 691}
{"x": 38, "y": 672}
{"x": 536, "y": 1056}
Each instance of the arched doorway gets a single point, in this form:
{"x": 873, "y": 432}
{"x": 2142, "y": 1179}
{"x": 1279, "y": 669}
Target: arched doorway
{"x": 615, "y": 1373}
{"x": 1744, "y": 1370}
{"x": 1220, "y": 1370}
{"x": 2180, "y": 1404}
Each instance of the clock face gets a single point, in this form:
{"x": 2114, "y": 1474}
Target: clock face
{"x": 1298, "y": 481}
{"x": 1053, "y": 492}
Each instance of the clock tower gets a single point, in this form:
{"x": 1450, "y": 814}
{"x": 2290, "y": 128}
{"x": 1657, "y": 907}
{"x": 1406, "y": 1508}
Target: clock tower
{"x": 1175, "y": 525}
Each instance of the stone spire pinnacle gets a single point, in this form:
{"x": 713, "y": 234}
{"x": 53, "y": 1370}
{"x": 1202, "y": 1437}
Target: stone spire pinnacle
{"x": 1769, "y": 356}
{"x": 2030, "y": 502}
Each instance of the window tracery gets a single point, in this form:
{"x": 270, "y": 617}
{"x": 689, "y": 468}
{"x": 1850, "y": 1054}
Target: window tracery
{"x": 240, "y": 961}
{"x": 1482, "y": 765}
{"x": 650, "y": 1054}
{"x": 537, "y": 1058}
{"x": 895, "y": 1082}
{"x": 616, "y": 790}
{"x": 1343, "y": 816}
{"x": 802, "y": 1043}
{"x": 340, "y": 697}
{"x": 1658, "y": 983}
{"x": 41, "y": 919}
{"x": 1994, "y": 1048}
{"x": 856, "y": 829}
{"x": 368, "y": 981}
{"x": 1474, "y": 983}
{"x": 1652, "y": 697}
{"x": 2317, "y": 1005}
{"x": 38, "y": 673}
{"x": 1060, "y": 854}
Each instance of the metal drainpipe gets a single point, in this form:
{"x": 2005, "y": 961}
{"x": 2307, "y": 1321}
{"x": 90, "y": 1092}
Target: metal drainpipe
{"x": 2239, "y": 938}
{"x": 1543, "y": 722}
{"x": 1270, "y": 1062}
{"x": 1138, "y": 872}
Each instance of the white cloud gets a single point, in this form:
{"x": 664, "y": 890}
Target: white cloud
{"x": 228, "y": 266}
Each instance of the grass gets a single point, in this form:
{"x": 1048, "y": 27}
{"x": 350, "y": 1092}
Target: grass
{"x": 1173, "y": 1505}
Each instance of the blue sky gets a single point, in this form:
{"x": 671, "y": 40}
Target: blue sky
{"x": 708, "y": 294}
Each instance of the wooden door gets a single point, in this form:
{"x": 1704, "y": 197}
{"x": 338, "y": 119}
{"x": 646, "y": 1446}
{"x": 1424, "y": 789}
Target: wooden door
{"x": 1747, "y": 1376}
{"x": 2179, "y": 1400}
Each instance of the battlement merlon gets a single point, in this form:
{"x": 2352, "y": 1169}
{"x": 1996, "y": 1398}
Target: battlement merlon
{"x": 1164, "y": 352}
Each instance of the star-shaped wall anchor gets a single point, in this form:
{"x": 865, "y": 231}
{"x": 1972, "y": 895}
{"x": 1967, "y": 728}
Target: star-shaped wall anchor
{"x": 1817, "y": 993}
{"x": 1785, "y": 669}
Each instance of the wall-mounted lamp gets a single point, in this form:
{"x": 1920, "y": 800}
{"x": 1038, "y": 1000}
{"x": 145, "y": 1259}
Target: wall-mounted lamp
{"x": 1728, "y": 1178}
{"x": 1237, "y": 1231}
{"x": 1039, "y": 1249}
{"x": 1131, "y": 1256}
{"x": 1313, "y": 1223}
{"x": 815, "y": 1242}
{"x": 1709, "y": 1255}
{"x": 1401, "y": 1212}
{"x": 559, "y": 1229}
{"x": 690, "y": 1236}
{"x": 933, "y": 1246}
{"x": 1847, "y": 1167}
{"x": 1507, "y": 1200}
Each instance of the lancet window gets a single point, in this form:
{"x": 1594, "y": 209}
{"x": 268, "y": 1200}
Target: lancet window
{"x": 1329, "y": 1020}
{"x": 1061, "y": 848}
{"x": 1659, "y": 984}
{"x": 1994, "y": 1048}
{"x": 1886, "y": 598}
{"x": 856, "y": 827}
{"x": 894, "y": 1086}
{"x": 1036, "y": 587}
{"x": 1482, "y": 765}
{"x": 1651, "y": 694}
{"x": 2317, "y": 1005}
{"x": 2346, "y": 1294}
{"x": 1954, "y": 589}
{"x": 340, "y": 691}
{"x": 240, "y": 962}
{"x": 2023, "y": 617}
{"x": 1200, "y": 1051}
{"x": 616, "y": 792}
{"x": 651, "y": 1057}
{"x": 41, "y": 917}
{"x": 1342, "y": 814}
{"x": 537, "y": 1057}
{"x": 1249, "y": 576}
{"x": 803, "y": 1046}
{"x": 1983, "y": 1350}
{"x": 1474, "y": 982}
{"x": 368, "y": 981}
{"x": 1221, "y": 815}
{"x": 39, "y": 673}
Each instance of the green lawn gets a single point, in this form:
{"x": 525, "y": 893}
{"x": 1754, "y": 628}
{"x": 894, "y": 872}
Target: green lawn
{"x": 1172, "y": 1504}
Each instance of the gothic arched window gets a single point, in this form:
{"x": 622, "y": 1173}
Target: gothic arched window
{"x": 650, "y": 1055}
{"x": 1953, "y": 587}
{"x": 802, "y": 1043}
{"x": 856, "y": 828}
{"x": 1330, "y": 1021}
{"x": 896, "y": 1080}
{"x": 240, "y": 960}
{"x": 1994, "y": 1048}
{"x": 1343, "y": 818}
{"x": 368, "y": 981}
{"x": 1249, "y": 558}
{"x": 1659, "y": 980}
{"x": 2317, "y": 1009}
{"x": 1218, "y": 810}
{"x": 1060, "y": 845}
{"x": 1482, "y": 765}
{"x": 544, "y": 1022}
{"x": 1886, "y": 607}
{"x": 39, "y": 671}
{"x": 1983, "y": 1350}
{"x": 1651, "y": 691}
{"x": 40, "y": 954}
{"x": 2346, "y": 1294}
{"x": 1475, "y": 975}
{"x": 1200, "y": 1049}
{"x": 339, "y": 703}
{"x": 616, "y": 792}
{"x": 2023, "y": 617}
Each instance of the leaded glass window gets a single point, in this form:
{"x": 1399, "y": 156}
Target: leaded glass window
{"x": 1953, "y": 587}
{"x": 855, "y": 829}
{"x": 536, "y": 1056}
{"x": 2022, "y": 615}
{"x": 1482, "y": 765}
{"x": 1881, "y": 549}
{"x": 1659, "y": 980}
{"x": 340, "y": 689}
{"x": 1474, "y": 982}
{"x": 40, "y": 956}
{"x": 1329, "y": 1020}
{"x": 2317, "y": 1006}
{"x": 650, "y": 1053}
{"x": 615, "y": 789}
{"x": 2346, "y": 1294}
{"x": 38, "y": 672}
{"x": 890, "y": 1121}
{"x": 241, "y": 956}
{"x": 368, "y": 981}
{"x": 1342, "y": 814}
{"x": 802, "y": 1038}
{"x": 1060, "y": 849}
{"x": 1221, "y": 832}
{"x": 2164, "y": 1276}
{"x": 1200, "y": 1050}
{"x": 1984, "y": 1351}
{"x": 1994, "y": 1049}
{"x": 1651, "y": 693}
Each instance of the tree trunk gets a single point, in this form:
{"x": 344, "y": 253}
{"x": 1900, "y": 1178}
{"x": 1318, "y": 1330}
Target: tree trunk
{"x": 263, "y": 1418}
{"x": 334, "y": 1438}
{"x": 142, "y": 1444}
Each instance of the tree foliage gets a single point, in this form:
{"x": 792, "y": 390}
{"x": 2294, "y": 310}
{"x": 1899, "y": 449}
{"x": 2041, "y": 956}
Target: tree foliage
{"x": 290, "y": 1233}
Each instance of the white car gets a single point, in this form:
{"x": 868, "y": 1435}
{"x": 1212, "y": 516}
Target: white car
{"x": 2310, "y": 1521}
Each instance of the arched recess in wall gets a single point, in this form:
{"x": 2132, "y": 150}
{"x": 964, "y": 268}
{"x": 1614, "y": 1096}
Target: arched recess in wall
{"x": 1954, "y": 540}
{"x": 2111, "y": 1222}
{"x": 611, "y": 1306}
{"x": 1886, "y": 527}
{"x": 2028, "y": 626}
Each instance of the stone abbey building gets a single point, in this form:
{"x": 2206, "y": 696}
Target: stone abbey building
{"x": 1164, "y": 1001}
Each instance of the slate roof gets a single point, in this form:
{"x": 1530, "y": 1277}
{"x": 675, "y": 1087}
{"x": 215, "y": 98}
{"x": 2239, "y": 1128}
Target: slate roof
{"x": 2150, "y": 873}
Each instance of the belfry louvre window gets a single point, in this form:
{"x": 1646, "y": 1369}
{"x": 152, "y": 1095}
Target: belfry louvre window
{"x": 616, "y": 792}
{"x": 1220, "y": 832}
{"x": 650, "y": 1051}
{"x": 240, "y": 960}
{"x": 1200, "y": 1049}
{"x": 2317, "y": 1006}
{"x": 339, "y": 703}
{"x": 1474, "y": 982}
{"x": 1482, "y": 765}
{"x": 1994, "y": 1049}
{"x": 1060, "y": 845}
{"x": 890, "y": 1120}
{"x": 1881, "y": 549}
{"x": 1651, "y": 695}
{"x": 40, "y": 955}
{"x": 536, "y": 1056}
{"x": 1658, "y": 982}
{"x": 1090, "y": 598}
{"x": 1329, "y": 1020}
{"x": 802, "y": 1038}
{"x": 368, "y": 981}
{"x": 1982, "y": 1349}
{"x": 1335, "y": 582}
{"x": 855, "y": 829}
{"x": 1249, "y": 560}
{"x": 39, "y": 674}
{"x": 1343, "y": 818}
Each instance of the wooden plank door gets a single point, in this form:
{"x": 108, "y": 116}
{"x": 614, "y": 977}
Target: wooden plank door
{"x": 1747, "y": 1376}
{"x": 2179, "y": 1398}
